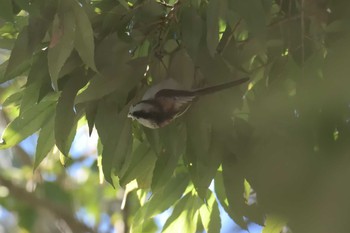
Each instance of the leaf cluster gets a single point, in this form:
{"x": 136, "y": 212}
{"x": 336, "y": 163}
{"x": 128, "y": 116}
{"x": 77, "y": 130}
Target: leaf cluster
{"x": 91, "y": 59}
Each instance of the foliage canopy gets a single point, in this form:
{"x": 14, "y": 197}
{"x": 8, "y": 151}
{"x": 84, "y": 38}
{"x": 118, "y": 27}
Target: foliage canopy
{"x": 279, "y": 156}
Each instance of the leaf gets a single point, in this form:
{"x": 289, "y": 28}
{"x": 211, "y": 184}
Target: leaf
{"x": 160, "y": 201}
{"x": 253, "y": 13}
{"x": 84, "y": 38}
{"x": 21, "y": 57}
{"x": 61, "y": 44}
{"x": 117, "y": 142}
{"x": 222, "y": 196}
{"x": 66, "y": 117}
{"x": 46, "y": 141}
{"x": 274, "y": 224}
{"x": 90, "y": 114}
{"x": 15, "y": 99}
{"x": 141, "y": 164}
{"x": 27, "y": 124}
{"x": 202, "y": 157}
{"x": 173, "y": 146}
{"x": 210, "y": 214}
{"x": 215, "y": 10}
{"x": 183, "y": 60}
{"x": 97, "y": 87}
{"x": 185, "y": 209}
{"x": 37, "y": 76}
{"x": 6, "y": 10}
{"x": 192, "y": 30}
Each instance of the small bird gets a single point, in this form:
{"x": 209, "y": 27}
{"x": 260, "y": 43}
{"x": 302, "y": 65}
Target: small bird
{"x": 164, "y": 102}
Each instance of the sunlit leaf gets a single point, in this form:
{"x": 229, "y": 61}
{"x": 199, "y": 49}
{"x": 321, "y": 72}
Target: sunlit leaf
{"x": 160, "y": 201}
{"x": 274, "y": 224}
{"x": 27, "y": 124}
{"x": 141, "y": 166}
{"x": 210, "y": 214}
{"x": 186, "y": 208}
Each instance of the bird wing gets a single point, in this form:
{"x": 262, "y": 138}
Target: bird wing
{"x": 174, "y": 100}
{"x": 165, "y": 84}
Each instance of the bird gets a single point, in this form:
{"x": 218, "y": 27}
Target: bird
{"x": 166, "y": 101}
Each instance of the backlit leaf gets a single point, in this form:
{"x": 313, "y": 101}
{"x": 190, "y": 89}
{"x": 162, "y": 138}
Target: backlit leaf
{"x": 210, "y": 214}
{"x": 46, "y": 141}
{"x": 274, "y": 224}
{"x": 66, "y": 115}
{"x": 185, "y": 209}
{"x": 27, "y": 124}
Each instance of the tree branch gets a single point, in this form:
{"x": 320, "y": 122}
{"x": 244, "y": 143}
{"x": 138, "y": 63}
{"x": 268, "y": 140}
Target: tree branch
{"x": 36, "y": 202}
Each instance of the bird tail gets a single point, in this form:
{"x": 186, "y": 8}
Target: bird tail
{"x": 212, "y": 89}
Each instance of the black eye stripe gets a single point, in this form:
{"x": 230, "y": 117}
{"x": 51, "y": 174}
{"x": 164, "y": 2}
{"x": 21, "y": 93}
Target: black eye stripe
{"x": 144, "y": 114}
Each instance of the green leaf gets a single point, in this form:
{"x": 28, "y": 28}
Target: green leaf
{"x": 21, "y": 57}
{"x": 274, "y": 224}
{"x": 61, "y": 44}
{"x": 160, "y": 201}
{"x": 90, "y": 114}
{"x": 66, "y": 117}
{"x": 173, "y": 146}
{"x": 183, "y": 60}
{"x": 46, "y": 141}
{"x": 84, "y": 38}
{"x": 117, "y": 143}
{"x": 185, "y": 209}
{"x": 222, "y": 196}
{"x": 253, "y": 13}
{"x": 215, "y": 10}
{"x": 27, "y": 124}
{"x": 97, "y": 87}
{"x": 202, "y": 155}
{"x": 140, "y": 166}
{"x": 15, "y": 99}
{"x": 6, "y": 10}
{"x": 37, "y": 76}
{"x": 210, "y": 214}
{"x": 192, "y": 30}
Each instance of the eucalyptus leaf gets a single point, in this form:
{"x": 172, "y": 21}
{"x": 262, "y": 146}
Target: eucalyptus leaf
{"x": 84, "y": 38}
{"x": 210, "y": 214}
{"x": 186, "y": 208}
{"x": 66, "y": 115}
{"x": 21, "y": 57}
{"x": 27, "y": 123}
{"x": 46, "y": 141}
{"x": 61, "y": 44}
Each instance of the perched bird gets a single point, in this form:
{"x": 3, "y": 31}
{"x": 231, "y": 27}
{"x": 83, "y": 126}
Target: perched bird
{"x": 164, "y": 102}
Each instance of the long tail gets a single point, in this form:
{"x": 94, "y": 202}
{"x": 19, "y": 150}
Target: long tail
{"x": 212, "y": 89}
